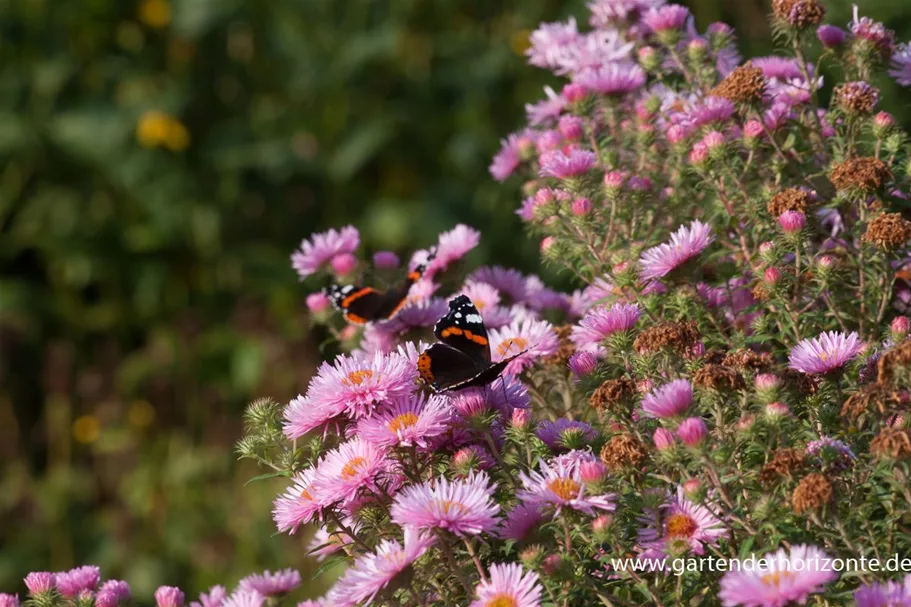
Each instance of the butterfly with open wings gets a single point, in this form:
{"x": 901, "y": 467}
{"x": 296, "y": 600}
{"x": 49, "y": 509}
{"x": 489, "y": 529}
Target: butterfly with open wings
{"x": 461, "y": 359}
{"x": 360, "y": 305}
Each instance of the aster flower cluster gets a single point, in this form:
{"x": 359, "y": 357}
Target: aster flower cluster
{"x": 729, "y": 379}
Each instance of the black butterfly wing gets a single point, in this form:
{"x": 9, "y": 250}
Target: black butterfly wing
{"x": 445, "y": 368}
{"x": 463, "y": 329}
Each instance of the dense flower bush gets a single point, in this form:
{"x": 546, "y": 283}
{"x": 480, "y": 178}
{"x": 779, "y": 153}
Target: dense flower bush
{"x": 729, "y": 382}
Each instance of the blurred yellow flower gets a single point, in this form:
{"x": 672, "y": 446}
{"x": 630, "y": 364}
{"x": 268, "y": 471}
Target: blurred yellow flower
{"x": 140, "y": 414}
{"x": 519, "y": 41}
{"x": 158, "y": 129}
{"x": 155, "y": 13}
{"x": 86, "y": 429}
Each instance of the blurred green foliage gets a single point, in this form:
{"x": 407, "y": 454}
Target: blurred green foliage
{"x": 158, "y": 163}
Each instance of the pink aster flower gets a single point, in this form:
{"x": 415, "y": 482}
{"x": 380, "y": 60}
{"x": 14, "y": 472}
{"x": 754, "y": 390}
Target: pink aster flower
{"x": 302, "y": 416}
{"x": 9, "y": 600}
{"x": 519, "y": 522}
{"x": 547, "y": 110}
{"x": 372, "y": 572}
{"x": 617, "y": 78}
{"x": 710, "y": 110}
{"x": 670, "y": 400}
{"x": 272, "y": 584}
{"x": 503, "y": 394}
{"x": 40, "y": 581}
{"x": 463, "y": 507}
{"x": 244, "y": 598}
{"x": 788, "y": 578}
{"x": 679, "y": 524}
{"x": 169, "y": 596}
{"x": 298, "y": 505}
{"x": 548, "y": 43}
{"x": 74, "y": 581}
{"x": 884, "y": 594}
{"x": 692, "y": 431}
{"x": 827, "y": 352}
{"x": 874, "y": 34}
{"x": 323, "y": 543}
{"x": 359, "y": 383}
{"x": 411, "y": 421}
{"x": 509, "y": 584}
{"x": 507, "y": 160}
{"x": 831, "y": 36}
{"x": 112, "y": 593}
{"x": 563, "y": 164}
{"x": 601, "y": 322}
{"x": 349, "y": 469}
{"x": 322, "y": 248}
{"x": 453, "y": 246}
{"x": 552, "y": 432}
{"x": 901, "y": 65}
{"x": 559, "y": 484}
{"x": 607, "y": 12}
{"x": 536, "y": 338}
{"x": 505, "y": 280}
{"x": 582, "y": 364}
{"x": 215, "y": 598}
{"x": 686, "y": 243}
{"x": 664, "y": 18}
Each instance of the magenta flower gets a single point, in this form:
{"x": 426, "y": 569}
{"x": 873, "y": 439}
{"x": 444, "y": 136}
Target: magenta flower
{"x": 215, "y": 598}
{"x": 9, "y": 600}
{"x": 505, "y": 280}
{"x": 511, "y": 585}
{"x": 664, "y": 18}
{"x": 710, "y": 110}
{"x": 792, "y": 221}
{"x": 244, "y": 598}
{"x": 582, "y": 364}
{"x": 551, "y": 433}
{"x": 74, "y": 581}
{"x": 536, "y": 338}
{"x": 40, "y": 581}
{"x": 827, "y": 352}
{"x": 352, "y": 467}
{"x": 519, "y": 522}
{"x": 663, "y": 439}
{"x": 169, "y": 596}
{"x": 562, "y": 165}
{"x": 412, "y": 421}
{"x": 549, "y": 42}
{"x": 112, "y": 593}
{"x": 617, "y": 78}
{"x": 453, "y": 246}
{"x": 559, "y": 484}
{"x": 507, "y": 160}
{"x": 321, "y": 248}
{"x": 789, "y": 578}
{"x": 679, "y": 524}
{"x": 607, "y": 12}
{"x": 302, "y": 416}
{"x": 692, "y": 431}
{"x": 831, "y": 36}
{"x": 887, "y": 594}
{"x": 547, "y": 110}
{"x": 601, "y": 322}
{"x": 272, "y": 584}
{"x": 298, "y": 505}
{"x": 463, "y": 507}
{"x": 372, "y": 572}
{"x": 670, "y": 400}
{"x": 503, "y": 395}
{"x": 901, "y": 65}
{"x": 686, "y": 243}
{"x": 873, "y": 33}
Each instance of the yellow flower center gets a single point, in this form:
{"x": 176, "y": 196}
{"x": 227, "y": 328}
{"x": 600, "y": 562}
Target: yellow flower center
{"x": 352, "y": 467}
{"x": 775, "y": 578}
{"x": 450, "y": 506}
{"x": 564, "y": 488}
{"x": 501, "y": 600}
{"x": 356, "y": 378}
{"x": 823, "y": 356}
{"x": 507, "y": 346}
{"x": 680, "y": 525}
{"x": 305, "y": 494}
{"x": 400, "y": 422}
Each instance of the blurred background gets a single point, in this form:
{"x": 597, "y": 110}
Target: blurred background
{"x": 159, "y": 161}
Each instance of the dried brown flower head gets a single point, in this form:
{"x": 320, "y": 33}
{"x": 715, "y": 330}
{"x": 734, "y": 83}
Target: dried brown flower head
{"x": 888, "y": 231}
{"x": 791, "y": 199}
{"x": 784, "y": 462}
{"x": 798, "y": 382}
{"x": 615, "y": 396}
{"x": 748, "y": 359}
{"x": 623, "y": 451}
{"x": 865, "y": 174}
{"x": 892, "y": 443}
{"x": 812, "y": 493}
{"x": 566, "y": 347}
{"x": 895, "y": 364}
{"x": 856, "y": 97}
{"x": 676, "y": 336}
{"x": 799, "y": 14}
{"x": 744, "y": 85}
{"x": 718, "y": 377}
{"x": 872, "y": 399}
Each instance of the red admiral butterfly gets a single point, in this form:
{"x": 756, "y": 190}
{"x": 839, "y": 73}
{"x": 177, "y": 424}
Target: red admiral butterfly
{"x": 461, "y": 359}
{"x": 360, "y": 305}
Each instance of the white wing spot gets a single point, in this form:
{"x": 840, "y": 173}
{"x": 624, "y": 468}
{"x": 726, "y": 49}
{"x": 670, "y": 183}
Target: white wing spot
{"x": 474, "y": 318}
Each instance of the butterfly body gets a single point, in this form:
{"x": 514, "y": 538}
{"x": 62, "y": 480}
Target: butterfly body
{"x": 461, "y": 359}
{"x": 361, "y": 305}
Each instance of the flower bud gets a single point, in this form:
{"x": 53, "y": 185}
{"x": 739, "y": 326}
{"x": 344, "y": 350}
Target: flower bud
{"x": 676, "y": 133}
{"x": 694, "y": 489}
{"x": 532, "y": 557}
{"x": 745, "y": 423}
{"x": 317, "y": 302}
{"x": 581, "y": 206}
{"x": 772, "y": 275}
{"x": 697, "y": 50}
{"x": 882, "y": 124}
{"x": 592, "y": 471}
{"x": 519, "y": 419}
{"x": 664, "y": 439}
{"x": 385, "y": 260}
{"x": 699, "y": 155}
{"x": 692, "y": 431}
{"x": 767, "y": 251}
{"x": 601, "y": 526}
{"x": 574, "y": 92}
{"x": 777, "y": 410}
{"x": 169, "y": 596}
{"x": 649, "y": 58}
{"x": 571, "y": 127}
{"x": 714, "y": 142}
{"x": 582, "y": 364}
{"x": 342, "y": 265}
{"x": 900, "y": 327}
{"x": 831, "y": 36}
{"x": 470, "y": 459}
{"x": 547, "y": 242}
{"x": 792, "y": 222}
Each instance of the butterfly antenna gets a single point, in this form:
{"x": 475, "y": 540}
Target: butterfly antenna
{"x": 503, "y": 385}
